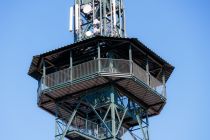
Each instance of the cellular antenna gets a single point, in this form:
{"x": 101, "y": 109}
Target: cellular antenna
{"x": 99, "y": 17}
{"x": 71, "y": 19}
{"x": 77, "y": 17}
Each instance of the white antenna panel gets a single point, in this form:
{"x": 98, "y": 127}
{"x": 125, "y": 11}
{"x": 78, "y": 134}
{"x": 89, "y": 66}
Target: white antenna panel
{"x": 76, "y": 17}
{"x": 71, "y": 20}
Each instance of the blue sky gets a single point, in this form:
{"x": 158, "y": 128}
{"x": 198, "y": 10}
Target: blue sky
{"x": 178, "y": 30}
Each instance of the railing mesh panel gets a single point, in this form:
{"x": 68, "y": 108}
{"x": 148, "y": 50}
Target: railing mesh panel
{"x": 104, "y": 65}
{"x": 85, "y": 69}
{"x": 84, "y": 126}
{"x": 115, "y": 66}
{"x": 140, "y": 73}
{"x": 156, "y": 84}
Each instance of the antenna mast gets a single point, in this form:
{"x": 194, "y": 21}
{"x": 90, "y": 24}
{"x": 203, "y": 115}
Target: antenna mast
{"x": 97, "y": 18}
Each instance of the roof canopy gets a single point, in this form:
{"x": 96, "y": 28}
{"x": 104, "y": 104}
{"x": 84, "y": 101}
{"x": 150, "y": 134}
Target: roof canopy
{"x": 59, "y": 58}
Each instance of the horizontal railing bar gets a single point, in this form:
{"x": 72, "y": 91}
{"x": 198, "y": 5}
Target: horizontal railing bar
{"x": 108, "y": 67}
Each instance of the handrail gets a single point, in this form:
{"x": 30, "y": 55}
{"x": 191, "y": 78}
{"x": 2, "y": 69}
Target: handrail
{"x": 109, "y": 66}
{"x": 91, "y": 128}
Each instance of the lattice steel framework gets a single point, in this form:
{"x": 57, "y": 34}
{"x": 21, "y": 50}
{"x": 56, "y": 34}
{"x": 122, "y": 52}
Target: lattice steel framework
{"x": 98, "y": 17}
{"x": 97, "y": 93}
{"x": 104, "y": 95}
{"x": 107, "y": 109}
{"x": 104, "y": 85}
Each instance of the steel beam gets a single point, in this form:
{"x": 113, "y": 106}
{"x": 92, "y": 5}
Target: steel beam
{"x": 113, "y": 116}
{"x": 69, "y": 122}
{"x": 99, "y": 117}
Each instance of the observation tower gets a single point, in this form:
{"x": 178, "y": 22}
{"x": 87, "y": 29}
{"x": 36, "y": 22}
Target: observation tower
{"x": 104, "y": 84}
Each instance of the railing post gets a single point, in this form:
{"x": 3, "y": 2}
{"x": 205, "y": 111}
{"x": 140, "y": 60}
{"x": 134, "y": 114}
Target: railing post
{"x": 99, "y": 58}
{"x": 39, "y": 89}
{"x": 164, "y": 84}
{"x": 97, "y": 132}
{"x": 148, "y": 74}
{"x": 70, "y": 66}
{"x": 44, "y": 75}
{"x": 130, "y": 60}
{"x": 86, "y": 124}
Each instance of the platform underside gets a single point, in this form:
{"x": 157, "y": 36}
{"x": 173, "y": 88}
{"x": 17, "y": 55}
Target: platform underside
{"x": 128, "y": 86}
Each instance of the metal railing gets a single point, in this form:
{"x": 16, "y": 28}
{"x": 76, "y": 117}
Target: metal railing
{"x": 91, "y": 128}
{"x": 115, "y": 66}
{"x": 58, "y": 77}
{"x": 147, "y": 78}
{"x": 140, "y": 73}
{"x": 156, "y": 84}
{"x": 104, "y": 133}
{"x": 112, "y": 67}
{"x": 84, "y": 126}
{"x": 84, "y": 69}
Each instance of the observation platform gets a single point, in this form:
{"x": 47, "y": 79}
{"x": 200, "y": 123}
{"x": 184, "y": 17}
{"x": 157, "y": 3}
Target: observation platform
{"x": 67, "y": 73}
{"x": 126, "y": 76}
